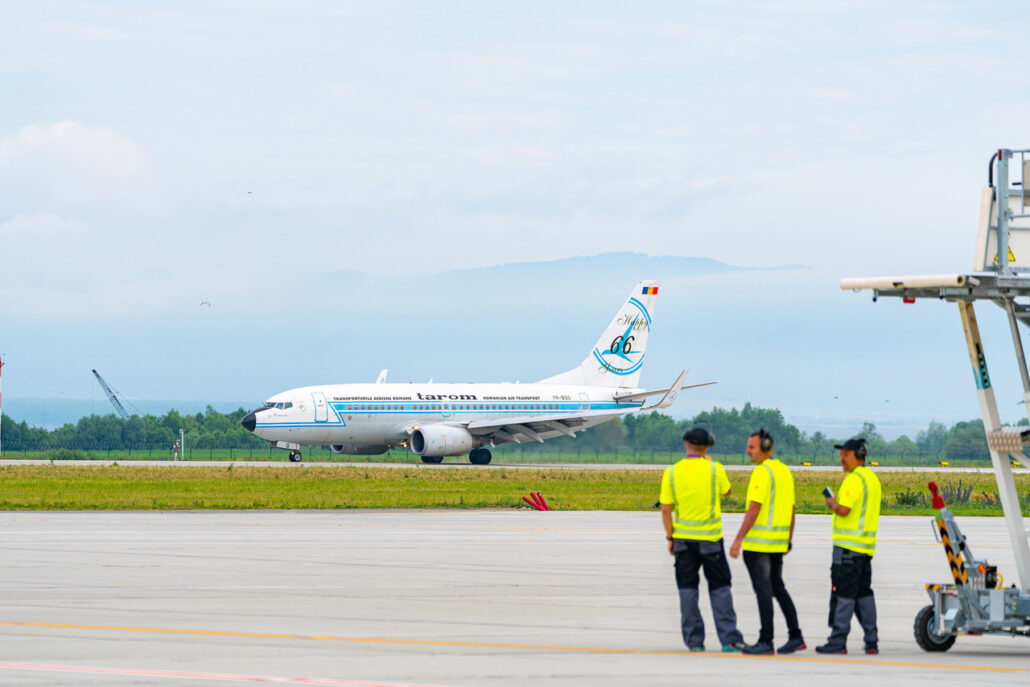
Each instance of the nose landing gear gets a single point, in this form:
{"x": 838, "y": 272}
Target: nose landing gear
{"x": 296, "y": 456}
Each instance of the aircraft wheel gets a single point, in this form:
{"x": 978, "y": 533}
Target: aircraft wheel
{"x": 432, "y": 459}
{"x": 480, "y": 456}
{"x": 926, "y": 634}
{"x": 296, "y": 456}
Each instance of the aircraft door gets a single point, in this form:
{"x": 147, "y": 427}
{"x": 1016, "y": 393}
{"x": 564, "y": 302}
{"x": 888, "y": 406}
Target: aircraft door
{"x": 321, "y": 410}
{"x": 584, "y": 401}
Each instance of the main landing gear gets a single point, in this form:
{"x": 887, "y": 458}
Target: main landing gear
{"x": 480, "y": 456}
{"x": 296, "y": 456}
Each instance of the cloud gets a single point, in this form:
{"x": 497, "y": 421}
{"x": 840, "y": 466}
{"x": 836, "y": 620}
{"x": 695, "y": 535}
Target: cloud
{"x": 69, "y": 165}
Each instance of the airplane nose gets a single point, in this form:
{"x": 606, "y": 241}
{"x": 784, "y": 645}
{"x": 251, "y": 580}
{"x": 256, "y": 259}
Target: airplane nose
{"x": 249, "y": 421}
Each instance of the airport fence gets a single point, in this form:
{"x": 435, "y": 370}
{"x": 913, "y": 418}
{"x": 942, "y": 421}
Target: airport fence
{"x": 502, "y": 455}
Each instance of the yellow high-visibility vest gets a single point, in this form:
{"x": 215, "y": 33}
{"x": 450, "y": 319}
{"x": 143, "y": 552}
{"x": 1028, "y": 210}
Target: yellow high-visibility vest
{"x": 772, "y": 485}
{"x": 694, "y": 486}
{"x": 860, "y": 491}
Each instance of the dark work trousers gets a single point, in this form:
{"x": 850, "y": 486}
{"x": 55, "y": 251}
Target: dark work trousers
{"x": 851, "y": 575}
{"x": 691, "y": 557}
{"x": 766, "y": 571}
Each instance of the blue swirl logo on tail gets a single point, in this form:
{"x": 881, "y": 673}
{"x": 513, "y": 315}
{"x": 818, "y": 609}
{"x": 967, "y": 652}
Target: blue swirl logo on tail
{"x": 620, "y": 358}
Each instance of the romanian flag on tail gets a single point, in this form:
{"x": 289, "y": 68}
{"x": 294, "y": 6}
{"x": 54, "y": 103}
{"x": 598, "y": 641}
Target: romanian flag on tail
{"x": 649, "y": 291}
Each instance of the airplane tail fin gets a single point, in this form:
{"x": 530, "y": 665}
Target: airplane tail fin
{"x": 618, "y": 356}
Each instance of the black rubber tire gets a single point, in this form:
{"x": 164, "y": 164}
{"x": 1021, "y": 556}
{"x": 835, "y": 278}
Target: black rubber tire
{"x": 926, "y": 638}
{"x": 480, "y": 456}
{"x": 296, "y": 456}
{"x": 432, "y": 459}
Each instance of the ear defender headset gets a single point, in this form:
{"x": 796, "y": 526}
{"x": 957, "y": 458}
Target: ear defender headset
{"x": 765, "y": 440}
{"x": 861, "y": 451}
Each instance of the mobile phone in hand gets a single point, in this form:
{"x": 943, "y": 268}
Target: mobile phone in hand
{"x": 828, "y": 493}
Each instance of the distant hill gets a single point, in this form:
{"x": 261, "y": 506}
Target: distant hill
{"x": 575, "y": 268}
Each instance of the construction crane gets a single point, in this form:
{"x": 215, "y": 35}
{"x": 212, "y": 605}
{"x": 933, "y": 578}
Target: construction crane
{"x": 119, "y": 408}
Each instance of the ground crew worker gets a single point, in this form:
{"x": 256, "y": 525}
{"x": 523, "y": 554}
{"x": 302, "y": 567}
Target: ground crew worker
{"x": 856, "y": 515}
{"x": 692, "y": 515}
{"x": 765, "y": 536}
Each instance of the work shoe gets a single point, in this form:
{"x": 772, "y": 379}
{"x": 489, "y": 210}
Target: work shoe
{"x": 696, "y": 649}
{"x": 792, "y": 645}
{"x": 758, "y": 648}
{"x": 732, "y": 648}
{"x": 832, "y": 649}
{"x": 872, "y": 648}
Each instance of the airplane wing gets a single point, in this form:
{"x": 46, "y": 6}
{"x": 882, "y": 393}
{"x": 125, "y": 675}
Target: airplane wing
{"x": 541, "y": 427}
{"x": 537, "y": 427}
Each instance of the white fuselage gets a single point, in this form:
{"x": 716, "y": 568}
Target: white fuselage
{"x": 382, "y": 414}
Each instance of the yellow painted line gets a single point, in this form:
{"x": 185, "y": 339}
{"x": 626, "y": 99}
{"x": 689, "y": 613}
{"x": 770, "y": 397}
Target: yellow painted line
{"x": 524, "y": 647}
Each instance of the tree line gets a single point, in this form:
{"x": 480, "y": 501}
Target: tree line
{"x": 209, "y": 429}
{"x": 636, "y": 433}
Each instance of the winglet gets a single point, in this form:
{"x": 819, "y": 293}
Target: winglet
{"x": 672, "y": 394}
{"x": 381, "y": 379}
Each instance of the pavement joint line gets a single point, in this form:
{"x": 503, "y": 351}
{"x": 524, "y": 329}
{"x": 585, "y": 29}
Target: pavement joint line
{"x": 525, "y": 647}
{"x": 193, "y": 675}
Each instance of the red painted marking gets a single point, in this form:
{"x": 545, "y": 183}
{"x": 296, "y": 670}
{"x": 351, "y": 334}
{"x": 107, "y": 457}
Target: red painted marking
{"x": 227, "y": 677}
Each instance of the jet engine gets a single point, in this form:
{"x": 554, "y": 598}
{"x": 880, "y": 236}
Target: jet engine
{"x": 373, "y": 450}
{"x": 442, "y": 440}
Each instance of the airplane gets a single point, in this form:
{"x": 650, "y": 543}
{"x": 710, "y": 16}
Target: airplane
{"x": 438, "y": 420}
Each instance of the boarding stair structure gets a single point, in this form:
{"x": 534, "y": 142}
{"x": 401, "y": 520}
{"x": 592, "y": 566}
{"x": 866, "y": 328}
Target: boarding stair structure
{"x": 975, "y": 602}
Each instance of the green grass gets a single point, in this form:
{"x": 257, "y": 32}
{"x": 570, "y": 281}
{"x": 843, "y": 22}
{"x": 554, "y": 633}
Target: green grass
{"x": 128, "y": 487}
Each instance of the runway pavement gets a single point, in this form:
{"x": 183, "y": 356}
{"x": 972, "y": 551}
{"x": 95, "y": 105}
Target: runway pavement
{"x": 453, "y": 598}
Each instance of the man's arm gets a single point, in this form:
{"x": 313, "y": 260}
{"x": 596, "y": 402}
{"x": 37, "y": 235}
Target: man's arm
{"x": 840, "y": 510}
{"x": 667, "y": 523}
{"x": 750, "y": 517}
{"x": 790, "y": 539}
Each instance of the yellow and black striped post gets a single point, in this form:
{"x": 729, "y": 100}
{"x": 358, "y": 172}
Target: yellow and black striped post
{"x": 958, "y": 570}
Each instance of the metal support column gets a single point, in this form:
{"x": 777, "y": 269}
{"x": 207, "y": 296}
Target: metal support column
{"x": 1017, "y": 341}
{"x": 1002, "y": 466}
{"x": 1002, "y": 206}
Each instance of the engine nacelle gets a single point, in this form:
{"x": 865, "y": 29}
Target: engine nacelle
{"x": 442, "y": 440}
{"x": 373, "y": 450}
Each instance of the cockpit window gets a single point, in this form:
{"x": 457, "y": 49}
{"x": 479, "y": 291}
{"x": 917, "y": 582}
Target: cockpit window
{"x": 268, "y": 404}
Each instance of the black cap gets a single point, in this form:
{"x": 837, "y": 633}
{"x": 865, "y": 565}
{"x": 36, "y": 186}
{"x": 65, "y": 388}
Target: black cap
{"x": 699, "y": 436}
{"x": 851, "y": 445}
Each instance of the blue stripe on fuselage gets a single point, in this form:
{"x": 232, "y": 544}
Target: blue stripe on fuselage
{"x": 570, "y": 407}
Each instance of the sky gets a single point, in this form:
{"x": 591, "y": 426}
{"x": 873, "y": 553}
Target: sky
{"x": 156, "y": 157}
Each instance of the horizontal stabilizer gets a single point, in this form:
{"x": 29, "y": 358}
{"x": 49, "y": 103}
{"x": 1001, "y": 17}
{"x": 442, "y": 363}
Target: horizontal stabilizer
{"x": 641, "y": 395}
